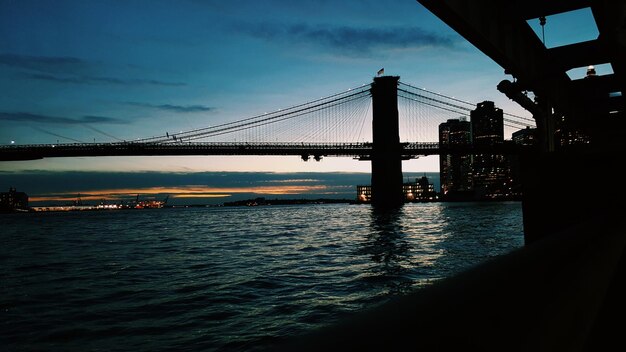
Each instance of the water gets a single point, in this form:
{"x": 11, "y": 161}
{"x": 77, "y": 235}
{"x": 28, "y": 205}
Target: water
{"x": 206, "y": 279}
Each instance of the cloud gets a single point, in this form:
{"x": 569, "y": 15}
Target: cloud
{"x": 180, "y": 186}
{"x": 43, "y": 63}
{"x": 298, "y": 180}
{"x": 186, "y": 188}
{"x": 28, "y": 117}
{"x": 183, "y": 191}
{"x": 349, "y": 40}
{"x": 83, "y": 79}
{"x": 175, "y": 108}
{"x": 71, "y": 70}
{"x": 100, "y": 119}
{"x": 180, "y": 192}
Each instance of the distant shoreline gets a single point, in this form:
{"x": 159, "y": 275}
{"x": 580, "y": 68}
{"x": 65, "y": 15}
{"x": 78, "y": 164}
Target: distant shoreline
{"x": 263, "y": 201}
{"x": 241, "y": 203}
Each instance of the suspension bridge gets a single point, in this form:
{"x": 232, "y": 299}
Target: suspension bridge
{"x": 386, "y": 121}
{"x": 337, "y": 125}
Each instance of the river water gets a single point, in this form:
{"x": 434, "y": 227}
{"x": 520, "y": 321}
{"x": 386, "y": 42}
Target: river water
{"x": 231, "y": 278}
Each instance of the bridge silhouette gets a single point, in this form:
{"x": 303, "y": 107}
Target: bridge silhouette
{"x": 385, "y": 122}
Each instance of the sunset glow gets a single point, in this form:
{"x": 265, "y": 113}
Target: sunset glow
{"x": 190, "y": 191}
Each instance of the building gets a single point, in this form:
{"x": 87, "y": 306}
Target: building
{"x": 573, "y": 130}
{"x": 524, "y": 137}
{"x": 455, "y": 170}
{"x": 480, "y": 176}
{"x": 419, "y": 191}
{"x": 487, "y": 124}
{"x": 364, "y": 193}
{"x": 13, "y": 200}
{"x": 567, "y": 134}
{"x": 491, "y": 172}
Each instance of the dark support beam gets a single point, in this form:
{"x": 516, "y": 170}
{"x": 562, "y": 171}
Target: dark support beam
{"x": 542, "y": 114}
{"x": 530, "y": 9}
{"x": 499, "y": 29}
{"x": 606, "y": 83}
{"x": 496, "y": 29}
{"x": 578, "y": 55}
{"x": 493, "y": 32}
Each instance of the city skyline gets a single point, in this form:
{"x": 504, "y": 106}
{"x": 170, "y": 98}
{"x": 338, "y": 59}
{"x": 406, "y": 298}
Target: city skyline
{"x": 88, "y": 71}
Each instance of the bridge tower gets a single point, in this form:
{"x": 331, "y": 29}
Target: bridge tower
{"x": 386, "y": 148}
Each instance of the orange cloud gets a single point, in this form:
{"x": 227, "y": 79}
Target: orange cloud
{"x": 200, "y": 195}
{"x": 293, "y": 180}
{"x": 189, "y": 191}
{"x": 72, "y": 197}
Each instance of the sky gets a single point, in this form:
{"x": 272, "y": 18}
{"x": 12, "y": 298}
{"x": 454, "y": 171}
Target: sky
{"x": 120, "y": 70}
{"x": 56, "y": 188}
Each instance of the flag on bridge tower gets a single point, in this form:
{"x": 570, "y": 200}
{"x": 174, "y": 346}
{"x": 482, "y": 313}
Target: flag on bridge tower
{"x": 381, "y": 71}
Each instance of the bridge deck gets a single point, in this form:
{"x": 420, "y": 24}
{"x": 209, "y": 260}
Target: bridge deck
{"x": 360, "y": 150}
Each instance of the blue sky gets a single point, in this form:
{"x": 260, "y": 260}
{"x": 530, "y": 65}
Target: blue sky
{"x": 107, "y": 70}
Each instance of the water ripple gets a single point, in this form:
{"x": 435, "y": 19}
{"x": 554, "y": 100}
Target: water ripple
{"x": 225, "y": 278}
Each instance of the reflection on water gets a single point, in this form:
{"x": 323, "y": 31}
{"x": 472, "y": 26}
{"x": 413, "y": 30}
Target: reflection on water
{"x": 476, "y": 231}
{"x": 226, "y": 278}
{"x": 386, "y": 245}
{"x": 414, "y": 245}
{"x": 385, "y": 240}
